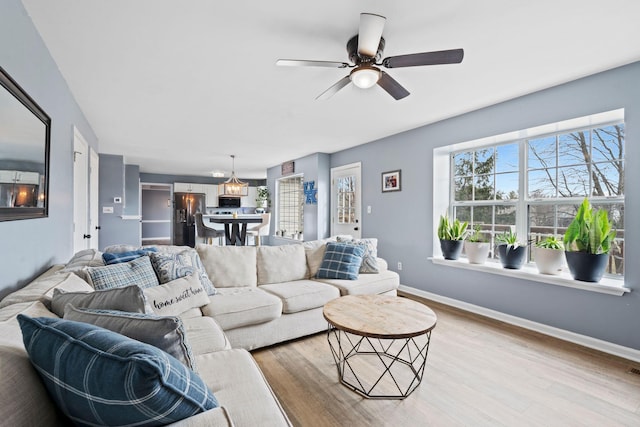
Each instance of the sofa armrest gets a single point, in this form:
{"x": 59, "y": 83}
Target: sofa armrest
{"x": 218, "y": 417}
{"x": 382, "y": 264}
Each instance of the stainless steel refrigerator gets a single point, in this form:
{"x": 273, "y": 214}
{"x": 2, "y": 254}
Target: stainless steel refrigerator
{"x": 185, "y": 206}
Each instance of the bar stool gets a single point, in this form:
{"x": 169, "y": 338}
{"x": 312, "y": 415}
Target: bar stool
{"x": 205, "y": 232}
{"x": 261, "y": 229}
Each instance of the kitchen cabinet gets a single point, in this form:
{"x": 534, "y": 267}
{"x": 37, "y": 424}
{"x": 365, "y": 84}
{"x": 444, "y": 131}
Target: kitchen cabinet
{"x": 7, "y": 177}
{"x": 188, "y": 187}
{"x": 19, "y": 177}
{"x": 250, "y": 199}
{"x": 27, "y": 178}
{"x": 211, "y": 191}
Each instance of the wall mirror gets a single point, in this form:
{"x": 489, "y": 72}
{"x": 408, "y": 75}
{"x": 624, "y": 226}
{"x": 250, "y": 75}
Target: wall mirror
{"x": 25, "y": 131}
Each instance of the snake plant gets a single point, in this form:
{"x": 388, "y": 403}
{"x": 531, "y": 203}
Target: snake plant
{"x": 452, "y": 230}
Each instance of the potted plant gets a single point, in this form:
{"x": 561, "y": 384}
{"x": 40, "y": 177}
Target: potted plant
{"x": 587, "y": 242}
{"x": 548, "y": 254}
{"x": 476, "y": 248}
{"x": 512, "y": 253}
{"x": 262, "y": 197}
{"x": 451, "y": 235}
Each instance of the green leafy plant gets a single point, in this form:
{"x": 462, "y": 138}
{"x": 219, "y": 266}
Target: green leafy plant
{"x": 262, "y": 194}
{"x": 452, "y": 230}
{"x": 590, "y": 231}
{"x": 550, "y": 242}
{"x": 509, "y": 238}
{"x": 476, "y": 236}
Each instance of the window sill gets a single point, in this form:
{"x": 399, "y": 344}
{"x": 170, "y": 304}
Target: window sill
{"x": 529, "y": 272}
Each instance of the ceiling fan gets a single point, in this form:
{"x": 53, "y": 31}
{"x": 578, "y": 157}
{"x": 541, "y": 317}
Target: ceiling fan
{"x": 365, "y": 50}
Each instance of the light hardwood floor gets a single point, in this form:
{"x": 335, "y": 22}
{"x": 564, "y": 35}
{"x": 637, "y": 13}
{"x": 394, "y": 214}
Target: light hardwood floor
{"x": 480, "y": 372}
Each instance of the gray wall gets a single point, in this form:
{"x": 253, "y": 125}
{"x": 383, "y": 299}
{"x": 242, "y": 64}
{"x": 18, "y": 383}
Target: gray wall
{"x": 403, "y": 221}
{"x": 114, "y": 229}
{"x": 28, "y": 247}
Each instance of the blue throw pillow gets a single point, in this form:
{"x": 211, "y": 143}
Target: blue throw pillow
{"x": 341, "y": 261}
{"x": 136, "y": 272}
{"x": 115, "y": 258}
{"x": 99, "y": 377}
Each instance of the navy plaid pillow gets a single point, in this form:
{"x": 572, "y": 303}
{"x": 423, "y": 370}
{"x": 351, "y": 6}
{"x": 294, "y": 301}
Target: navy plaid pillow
{"x": 99, "y": 377}
{"x": 118, "y": 257}
{"x": 341, "y": 261}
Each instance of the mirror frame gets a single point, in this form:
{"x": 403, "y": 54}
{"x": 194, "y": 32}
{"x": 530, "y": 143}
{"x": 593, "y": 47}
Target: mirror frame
{"x": 8, "y": 213}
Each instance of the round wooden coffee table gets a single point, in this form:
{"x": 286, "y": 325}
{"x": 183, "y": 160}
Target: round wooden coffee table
{"x": 379, "y": 343}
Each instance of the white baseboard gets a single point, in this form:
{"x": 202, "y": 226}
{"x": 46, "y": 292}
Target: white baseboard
{"x": 583, "y": 340}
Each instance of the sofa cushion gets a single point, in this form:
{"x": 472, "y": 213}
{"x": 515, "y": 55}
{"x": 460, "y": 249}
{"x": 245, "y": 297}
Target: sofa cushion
{"x": 243, "y": 306}
{"x": 172, "y": 266}
{"x": 118, "y": 257}
{"x": 242, "y": 389}
{"x": 341, "y": 261}
{"x": 385, "y": 281}
{"x": 284, "y": 263}
{"x": 145, "y": 386}
{"x": 129, "y": 298}
{"x": 302, "y": 295}
{"x": 314, "y": 251}
{"x": 177, "y": 296}
{"x": 136, "y": 272}
{"x": 166, "y": 333}
{"x": 369, "y": 259}
{"x": 84, "y": 258}
{"x": 43, "y": 286}
{"x": 205, "y": 335}
{"x": 229, "y": 266}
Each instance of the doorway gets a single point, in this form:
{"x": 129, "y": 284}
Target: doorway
{"x": 346, "y": 200}
{"x": 81, "y": 226}
{"x": 155, "y": 202}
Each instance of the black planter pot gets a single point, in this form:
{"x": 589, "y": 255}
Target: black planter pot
{"x": 511, "y": 257}
{"x": 586, "y": 267}
{"x": 451, "y": 249}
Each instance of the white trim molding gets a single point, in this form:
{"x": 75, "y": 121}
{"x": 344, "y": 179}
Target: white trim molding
{"x": 610, "y": 286}
{"x": 583, "y": 340}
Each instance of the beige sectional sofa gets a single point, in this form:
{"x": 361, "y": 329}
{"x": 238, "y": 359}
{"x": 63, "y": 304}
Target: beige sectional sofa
{"x": 265, "y": 295}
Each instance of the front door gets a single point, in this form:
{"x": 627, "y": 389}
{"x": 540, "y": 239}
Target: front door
{"x": 345, "y": 200}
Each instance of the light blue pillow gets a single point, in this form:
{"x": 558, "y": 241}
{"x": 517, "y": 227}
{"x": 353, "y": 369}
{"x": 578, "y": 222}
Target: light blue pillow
{"x": 116, "y": 258}
{"x": 370, "y": 258}
{"x": 341, "y": 261}
{"x": 99, "y": 377}
{"x": 136, "y": 272}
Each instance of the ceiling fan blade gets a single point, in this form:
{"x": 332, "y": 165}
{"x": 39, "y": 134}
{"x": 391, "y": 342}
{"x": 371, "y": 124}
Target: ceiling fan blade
{"x": 392, "y": 87}
{"x": 305, "y": 63}
{"x": 334, "y": 89}
{"x": 453, "y": 56}
{"x": 369, "y": 34}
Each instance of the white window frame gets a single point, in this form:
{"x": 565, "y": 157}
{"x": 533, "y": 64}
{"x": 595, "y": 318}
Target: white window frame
{"x": 280, "y": 209}
{"x": 442, "y": 191}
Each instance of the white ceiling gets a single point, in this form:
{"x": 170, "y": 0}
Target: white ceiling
{"x": 179, "y": 86}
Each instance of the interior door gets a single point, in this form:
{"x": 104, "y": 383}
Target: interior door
{"x": 346, "y": 200}
{"x": 80, "y": 193}
{"x": 94, "y": 227}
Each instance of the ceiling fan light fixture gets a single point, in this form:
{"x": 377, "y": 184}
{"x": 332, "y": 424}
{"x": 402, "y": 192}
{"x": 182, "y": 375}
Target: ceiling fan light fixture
{"x": 365, "y": 77}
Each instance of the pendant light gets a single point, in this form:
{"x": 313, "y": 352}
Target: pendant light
{"x": 233, "y": 187}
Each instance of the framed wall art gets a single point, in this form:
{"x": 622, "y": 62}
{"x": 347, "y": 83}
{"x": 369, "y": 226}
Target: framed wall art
{"x": 391, "y": 181}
